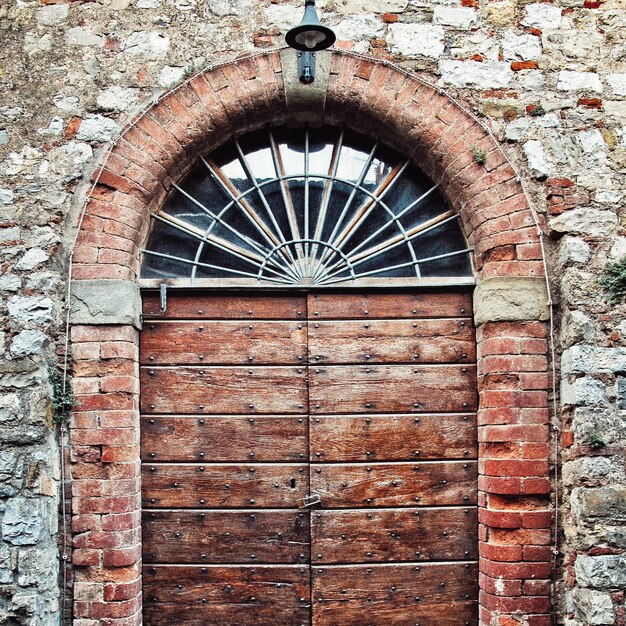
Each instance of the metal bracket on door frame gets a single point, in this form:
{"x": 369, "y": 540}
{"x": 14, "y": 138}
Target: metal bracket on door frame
{"x": 163, "y": 291}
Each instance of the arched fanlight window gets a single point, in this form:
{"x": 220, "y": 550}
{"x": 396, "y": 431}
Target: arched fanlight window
{"x": 311, "y": 207}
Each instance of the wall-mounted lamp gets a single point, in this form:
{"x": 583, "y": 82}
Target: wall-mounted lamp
{"x": 308, "y": 37}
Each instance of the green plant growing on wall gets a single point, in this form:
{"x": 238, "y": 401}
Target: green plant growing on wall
{"x": 536, "y": 111}
{"x": 480, "y": 155}
{"x": 613, "y": 280}
{"x": 596, "y": 442}
{"x": 63, "y": 400}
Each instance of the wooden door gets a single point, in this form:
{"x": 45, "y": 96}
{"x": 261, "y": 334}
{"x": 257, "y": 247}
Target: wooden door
{"x": 251, "y": 402}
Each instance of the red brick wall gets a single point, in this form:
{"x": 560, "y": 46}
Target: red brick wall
{"x": 372, "y": 97}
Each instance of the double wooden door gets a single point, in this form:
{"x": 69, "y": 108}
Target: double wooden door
{"x": 357, "y": 407}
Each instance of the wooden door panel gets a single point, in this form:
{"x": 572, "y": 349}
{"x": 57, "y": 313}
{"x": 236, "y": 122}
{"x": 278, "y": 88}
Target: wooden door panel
{"x": 442, "y": 483}
{"x": 329, "y": 305}
{"x": 223, "y": 390}
{"x": 226, "y": 595}
{"x": 252, "y": 401}
{"x": 393, "y": 437}
{"x": 230, "y": 536}
{"x": 392, "y": 388}
{"x": 370, "y": 536}
{"x": 223, "y": 343}
{"x": 391, "y": 341}
{"x": 222, "y": 306}
{"x": 224, "y": 485}
{"x": 223, "y": 438}
{"x": 399, "y": 594}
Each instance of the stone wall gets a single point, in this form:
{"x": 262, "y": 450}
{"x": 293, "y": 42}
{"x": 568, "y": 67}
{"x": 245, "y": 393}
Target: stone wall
{"x": 549, "y": 79}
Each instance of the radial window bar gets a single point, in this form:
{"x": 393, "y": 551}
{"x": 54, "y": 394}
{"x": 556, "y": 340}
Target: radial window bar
{"x": 305, "y": 207}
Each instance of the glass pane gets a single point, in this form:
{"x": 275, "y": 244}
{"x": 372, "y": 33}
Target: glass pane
{"x": 377, "y": 227}
{"x": 291, "y": 149}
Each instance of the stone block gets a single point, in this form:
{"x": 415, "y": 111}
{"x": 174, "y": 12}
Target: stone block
{"x": 52, "y": 14}
{"x": 520, "y": 47}
{"x": 28, "y": 342}
{"x": 32, "y": 258}
{"x": 618, "y": 249}
{"x": 588, "y": 422}
{"x": 573, "y": 250}
{"x": 579, "y": 81}
{"x": 593, "y": 503}
{"x": 149, "y": 44}
{"x": 587, "y": 221}
{"x": 78, "y": 36}
{"x": 594, "y": 607}
{"x": 510, "y": 299}
{"x": 25, "y": 521}
{"x": 589, "y": 359}
{"x": 462, "y": 18}
{"x": 416, "y": 40}
{"x": 105, "y": 302}
{"x": 617, "y": 83}
{"x": 6, "y": 196}
{"x": 222, "y": 8}
{"x": 10, "y": 282}
{"x": 96, "y": 128}
{"x": 116, "y": 98}
{"x": 371, "y": 6}
{"x": 501, "y": 13}
{"x": 591, "y": 469}
{"x": 585, "y": 391}
{"x": 31, "y": 309}
{"x": 486, "y": 75}
{"x": 604, "y": 571}
{"x": 542, "y": 15}
{"x": 538, "y": 163}
{"x": 358, "y": 27}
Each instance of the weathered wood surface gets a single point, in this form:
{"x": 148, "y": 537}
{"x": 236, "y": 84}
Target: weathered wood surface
{"x": 391, "y": 341}
{"x": 223, "y": 390}
{"x": 389, "y": 304}
{"x": 223, "y": 343}
{"x": 225, "y": 485}
{"x": 392, "y": 388}
{"x": 226, "y": 596}
{"x": 226, "y": 442}
{"x": 401, "y": 595}
{"x": 393, "y": 437}
{"x": 226, "y": 537}
{"x": 181, "y": 305}
{"x": 440, "y": 483}
{"x": 224, "y": 438}
{"x": 370, "y": 536}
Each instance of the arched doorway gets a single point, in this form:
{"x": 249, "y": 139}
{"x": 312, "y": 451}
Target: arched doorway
{"x": 158, "y": 149}
{"x": 308, "y": 456}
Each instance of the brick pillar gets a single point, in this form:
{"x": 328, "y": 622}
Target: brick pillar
{"x": 514, "y": 484}
{"x": 105, "y": 466}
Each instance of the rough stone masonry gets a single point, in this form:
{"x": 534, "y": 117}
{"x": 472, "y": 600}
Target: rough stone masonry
{"x": 549, "y": 78}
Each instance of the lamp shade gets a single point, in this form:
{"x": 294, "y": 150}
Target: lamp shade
{"x": 310, "y": 35}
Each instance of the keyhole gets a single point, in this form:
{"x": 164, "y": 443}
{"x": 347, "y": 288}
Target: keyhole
{"x": 292, "y": 483}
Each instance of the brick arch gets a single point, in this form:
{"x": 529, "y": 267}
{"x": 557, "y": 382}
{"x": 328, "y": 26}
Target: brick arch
{"x": 427, "y": 126}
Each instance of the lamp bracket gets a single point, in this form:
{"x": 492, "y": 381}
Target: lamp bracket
{"x": 306, "y": 67}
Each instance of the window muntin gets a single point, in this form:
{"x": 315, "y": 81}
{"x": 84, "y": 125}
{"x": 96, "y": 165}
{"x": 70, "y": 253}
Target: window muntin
{"x": 312, "y": 207}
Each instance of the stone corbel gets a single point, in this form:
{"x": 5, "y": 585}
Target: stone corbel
{"x": 116, "y": 302}
{"x": 511, "y": 299}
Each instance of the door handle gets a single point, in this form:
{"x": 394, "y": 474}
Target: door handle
{"x": 308, "y": 501}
